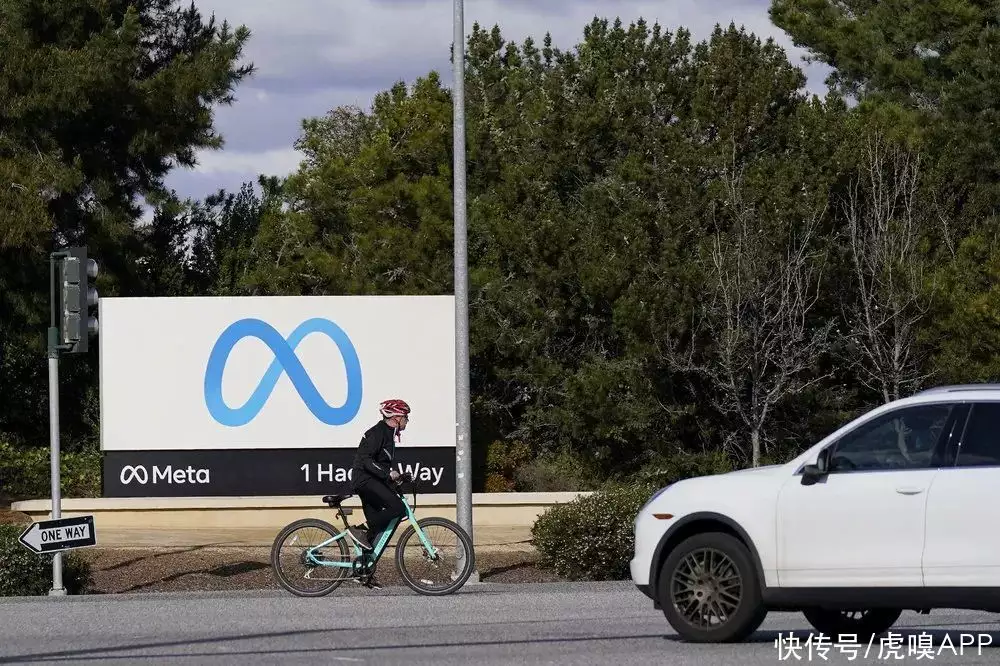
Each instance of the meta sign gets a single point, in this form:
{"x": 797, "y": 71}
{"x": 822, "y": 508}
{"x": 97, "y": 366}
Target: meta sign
{"x": 251, "y": 396}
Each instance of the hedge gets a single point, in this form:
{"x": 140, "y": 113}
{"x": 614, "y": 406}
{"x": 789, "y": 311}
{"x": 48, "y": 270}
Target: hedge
{"x": 22, "y": 573}
{"x": 24, "y": 472}
{"x": 592, "y": 537}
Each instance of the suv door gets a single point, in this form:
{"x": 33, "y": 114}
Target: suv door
{"x": 963, "y": 543}
{"x": 862, "y": 522}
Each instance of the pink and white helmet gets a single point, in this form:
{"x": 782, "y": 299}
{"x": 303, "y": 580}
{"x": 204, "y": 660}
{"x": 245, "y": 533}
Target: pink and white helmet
{"x": 390, "y": 408}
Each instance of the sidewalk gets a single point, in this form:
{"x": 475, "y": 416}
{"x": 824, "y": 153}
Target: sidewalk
{"x": 497, "y": 538}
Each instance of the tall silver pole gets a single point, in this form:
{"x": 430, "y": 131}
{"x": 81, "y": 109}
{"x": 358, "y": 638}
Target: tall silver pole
{"x": 463, "y": 455}
{"x": 57, "y": 578}
{"x": 53, "y": 354}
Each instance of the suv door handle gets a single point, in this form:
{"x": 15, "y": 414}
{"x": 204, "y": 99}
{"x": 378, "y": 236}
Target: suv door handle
{"x": 909, "y": 491}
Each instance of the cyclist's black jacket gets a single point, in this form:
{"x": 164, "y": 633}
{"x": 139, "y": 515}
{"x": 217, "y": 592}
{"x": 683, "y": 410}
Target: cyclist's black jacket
{"x": 375, "y": 453}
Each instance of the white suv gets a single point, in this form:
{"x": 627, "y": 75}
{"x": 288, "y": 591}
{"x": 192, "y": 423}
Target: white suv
{"x": 896, "y": 510}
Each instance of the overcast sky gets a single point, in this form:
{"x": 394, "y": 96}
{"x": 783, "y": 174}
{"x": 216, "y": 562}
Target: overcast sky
{"x": 315, "y": 55}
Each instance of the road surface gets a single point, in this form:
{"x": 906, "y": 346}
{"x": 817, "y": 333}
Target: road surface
{"x": 561, "y": 624}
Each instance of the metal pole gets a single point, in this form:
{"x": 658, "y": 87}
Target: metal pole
{"x": 53, "y": 345}
{"x": 463, "y": 455}
{"x": 57, "y": 581}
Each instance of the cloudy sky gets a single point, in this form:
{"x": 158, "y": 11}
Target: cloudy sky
{"x": 314, "y": 55}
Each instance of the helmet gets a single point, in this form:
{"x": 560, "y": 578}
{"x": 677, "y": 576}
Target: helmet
{"x": 390, "y": 408}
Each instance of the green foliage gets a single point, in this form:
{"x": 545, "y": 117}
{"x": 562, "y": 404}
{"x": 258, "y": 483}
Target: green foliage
{"x": 25, "y": 472}
{"x": 515, "y": 466}
{"x": 100, "y": 98}
{"x": 557, "y": 471}
{"x": 618, "y": 327}
{"x": 23, "y": 573}
{"x": 682, "y": 465}
{"x": 591, "y": 537}
{"x": 503, "y": 459}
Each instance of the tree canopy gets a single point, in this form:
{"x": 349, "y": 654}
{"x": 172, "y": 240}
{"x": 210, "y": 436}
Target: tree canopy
{"x": 674, "y": 249}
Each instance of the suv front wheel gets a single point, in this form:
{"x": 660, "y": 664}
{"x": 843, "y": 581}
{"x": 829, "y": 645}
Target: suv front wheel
{"x": 860, "y": 625}
{"x": 709, "y": 589}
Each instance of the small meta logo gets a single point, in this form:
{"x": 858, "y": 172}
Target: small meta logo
{"x": 137, "y": 474}
{"x": 285, "y": 360}
{"x": 141, "y": 476}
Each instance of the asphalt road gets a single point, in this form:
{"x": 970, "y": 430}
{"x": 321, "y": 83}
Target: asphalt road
{"x": 483, "y": 624}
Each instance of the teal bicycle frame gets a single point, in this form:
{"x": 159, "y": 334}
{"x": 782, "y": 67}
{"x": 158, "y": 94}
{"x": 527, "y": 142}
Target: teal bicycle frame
{"x": 377, "y": 548}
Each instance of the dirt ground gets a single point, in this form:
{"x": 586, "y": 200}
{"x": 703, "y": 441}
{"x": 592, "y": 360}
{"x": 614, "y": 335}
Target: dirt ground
{"x": 8, "y": 517}
{"x": 214, "y": 568}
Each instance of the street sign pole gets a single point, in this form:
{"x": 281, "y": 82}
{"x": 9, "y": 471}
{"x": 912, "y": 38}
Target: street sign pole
{"x": 463, "y": 444}
{"x": 54, "y": 454}
{"x": 57, "y": 582}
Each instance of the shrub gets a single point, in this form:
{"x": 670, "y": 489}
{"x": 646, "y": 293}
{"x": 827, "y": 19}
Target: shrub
{"x": 22, "y": 573}
{"x": 591, "y": 537}
{"x": 513, "y": 466}
{"x": 24, "y": 472}
{"x": 664, "y": 470}
{"x": 502, "y": 462}
{"x": 555, "y": 472}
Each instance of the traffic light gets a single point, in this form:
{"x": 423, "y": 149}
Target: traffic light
{"x": 76, "y": 297}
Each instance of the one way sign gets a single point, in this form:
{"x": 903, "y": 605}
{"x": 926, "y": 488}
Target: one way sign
{"x": 49, "y": 536}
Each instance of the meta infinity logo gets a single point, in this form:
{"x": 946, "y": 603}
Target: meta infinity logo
{"x": 285, "y": 360}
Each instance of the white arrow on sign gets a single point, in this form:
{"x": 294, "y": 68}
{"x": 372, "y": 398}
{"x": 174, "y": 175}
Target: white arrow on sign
{"x": 61, "y": 534}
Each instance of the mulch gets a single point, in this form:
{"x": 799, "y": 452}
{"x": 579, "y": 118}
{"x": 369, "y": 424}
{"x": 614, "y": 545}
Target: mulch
{"x": 214, "y": 568}
{"x": 229, "y": 568}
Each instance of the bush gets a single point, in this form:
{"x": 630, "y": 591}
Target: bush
{"x": 558, "y": 472}
{"x": 591, "y": 537}
{"x": 503, "y": 459}
{"x": 22, "y": 573}
{"x": 24, "y": 472}
{"x": 515, "y": 467}
{"x": 664, "y": 470}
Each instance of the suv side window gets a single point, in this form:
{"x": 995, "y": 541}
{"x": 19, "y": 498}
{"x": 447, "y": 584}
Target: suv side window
{"x": 980, "y": 445}
{"x": 902, "y": 439}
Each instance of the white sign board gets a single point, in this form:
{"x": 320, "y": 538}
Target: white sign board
{"x": 290, "y": 372}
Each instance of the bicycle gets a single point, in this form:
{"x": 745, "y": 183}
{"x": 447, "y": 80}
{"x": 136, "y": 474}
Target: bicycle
{"x": 361, "y": 566}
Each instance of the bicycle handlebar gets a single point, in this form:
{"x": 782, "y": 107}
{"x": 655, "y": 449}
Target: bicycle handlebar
{"x": 406, "y": 478}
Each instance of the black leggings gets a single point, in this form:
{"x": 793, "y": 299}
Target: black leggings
{"x": 380, "y": 503}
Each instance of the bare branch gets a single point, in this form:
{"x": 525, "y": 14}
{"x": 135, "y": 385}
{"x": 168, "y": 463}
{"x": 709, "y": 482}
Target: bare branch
{"x": 884, "y": 224}
{"x": 763, "y": 343}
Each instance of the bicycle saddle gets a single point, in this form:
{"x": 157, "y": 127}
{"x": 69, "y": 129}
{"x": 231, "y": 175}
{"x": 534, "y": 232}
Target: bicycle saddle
{"x": 335, "y": 500}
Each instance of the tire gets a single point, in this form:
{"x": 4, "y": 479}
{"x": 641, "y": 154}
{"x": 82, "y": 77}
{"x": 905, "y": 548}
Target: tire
{"x": 464, "y": 540}
{"x": 862, "y": 627}
{"x": 746, "y": 610}
{"x": 286, "y": 580}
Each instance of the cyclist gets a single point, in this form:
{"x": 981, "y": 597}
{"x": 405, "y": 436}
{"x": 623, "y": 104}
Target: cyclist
{"x": 371, "y": 473}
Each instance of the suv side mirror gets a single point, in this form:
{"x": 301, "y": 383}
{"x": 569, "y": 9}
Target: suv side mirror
{"x": 813, "y": 473}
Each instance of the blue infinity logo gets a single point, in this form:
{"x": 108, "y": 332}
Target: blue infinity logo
{"x": 285, "y": 360}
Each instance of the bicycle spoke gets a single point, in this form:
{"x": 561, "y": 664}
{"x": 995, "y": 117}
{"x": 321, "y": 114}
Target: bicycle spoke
{"x": 435, "y": 567}
{"x": 297, "y": 570}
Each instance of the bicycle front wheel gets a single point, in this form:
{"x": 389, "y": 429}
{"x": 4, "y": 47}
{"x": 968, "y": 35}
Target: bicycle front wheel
{"x": 293, "y": 569}
{"x": 445, "y": 568}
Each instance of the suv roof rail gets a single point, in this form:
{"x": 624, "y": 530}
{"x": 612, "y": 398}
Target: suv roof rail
{"x": 954, "y": 388}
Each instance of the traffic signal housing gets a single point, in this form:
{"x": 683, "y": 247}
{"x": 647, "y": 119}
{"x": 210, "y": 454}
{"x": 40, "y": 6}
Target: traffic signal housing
{"x": 77, "y": 296}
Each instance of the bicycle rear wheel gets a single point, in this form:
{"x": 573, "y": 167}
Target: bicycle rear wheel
{"x": 453, "y": 563}
{"x": 295, "y": 572}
